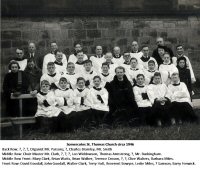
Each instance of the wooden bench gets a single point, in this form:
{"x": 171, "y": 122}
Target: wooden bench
{"x": 8, "y": 122}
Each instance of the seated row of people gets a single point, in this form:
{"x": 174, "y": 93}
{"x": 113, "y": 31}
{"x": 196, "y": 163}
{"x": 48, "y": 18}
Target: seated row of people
{"x": 151, "y": 104}
{"x": 121, "y": 98}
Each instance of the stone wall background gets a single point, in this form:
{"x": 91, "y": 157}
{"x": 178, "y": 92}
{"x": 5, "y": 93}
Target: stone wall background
{"x": 105, "y": 31}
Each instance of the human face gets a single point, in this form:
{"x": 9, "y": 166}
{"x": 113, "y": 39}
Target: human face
{"x": 161, "y": 51}
{"x": 97, "y": 82}
{"x": 151, "y": 66}
{"x": 88, "y": 66}
{"x": 135, "y": 46}
{"x": 127, "y": 57}
{"x": 81, "y": 84}
{"x": 51, "y": 69}
{"x": 31, "y": 64}
{"x": 145, "y": 51}
{"x": 116, "y": 50}
{"x": 45, "y": 88}
{"x": 14, "y": 68}
{"x": 105, "y": 69}
{"x": 180, "y": 50}
{"x": 19, "y": 53}
{"x": 133, "y": 63}
{"x": 63, "y": 84}
{"x": 54, "y": 47}
{"x": 78, "y": 47}
{"x": 120, "y": 73}
{"x": 166, "y": 58}
{"x": 99, "y": 50}
{"x": 108, "y": 57}
{"x": 160, "y": 41}
{"x": 175, "y": 78}
{"x": 80, "y": 57}
{"x": 140, "y": 80}
{"x": 59, "y": 56}
{"x": 157, "y": 79}
{"x": 181, "y": 63}
{"x": 31, "y": 48}
{"x": 71, "y": 68}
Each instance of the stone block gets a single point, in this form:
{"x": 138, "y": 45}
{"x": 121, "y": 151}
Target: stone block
{"x": 77, "y": 34}
{"x": 127, "y": 24}
{"x": 90, "y": 25}
{"x": 44, "y": 34}
{"x": 156, "y": 24}
{"x": 122, "y": 42}
{"x": 120, "y": 33}
{"x": 135, "y": 32}
{"x": 93, "y": 33}
{"x": 109, "y": 24}
{"x": 19, "y": 43}
{"x": 6, "y": 44}
{"x": 169, "y": 25}
{"x": 88, "y": 42}
{"x": 11, "y": 35}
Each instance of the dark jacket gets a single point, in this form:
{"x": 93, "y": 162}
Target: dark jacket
{"x": 11, "y": 85}
{"x": 34, "y": 76}
{"x": 156, "y": 56}
{"x": 38, "y": 58}
{"x": 120, "y": 94}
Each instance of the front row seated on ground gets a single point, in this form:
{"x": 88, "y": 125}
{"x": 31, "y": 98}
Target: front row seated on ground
{"x": 154, "y": 104}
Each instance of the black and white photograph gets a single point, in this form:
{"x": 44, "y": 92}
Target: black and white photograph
{"x": 100, "y": 70}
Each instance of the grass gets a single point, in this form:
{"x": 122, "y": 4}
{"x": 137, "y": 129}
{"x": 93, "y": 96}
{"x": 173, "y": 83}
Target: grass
{"x": 186, "y": 131}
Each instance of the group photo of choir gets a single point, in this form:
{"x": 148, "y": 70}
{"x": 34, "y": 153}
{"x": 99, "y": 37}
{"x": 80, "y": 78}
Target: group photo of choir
{"x": 108, "y": 87}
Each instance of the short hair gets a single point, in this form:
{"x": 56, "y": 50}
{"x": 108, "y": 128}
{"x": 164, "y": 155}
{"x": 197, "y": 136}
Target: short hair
{"x": 157, "y": 74}
{"x": 179, "y": 45}
{"x": 127, "y": 52}
{"x": 140, "y": 75}
{"x": 12, "y": 62}
{"x": 120, "y": 67}
{"x": 88, "y": 61}
{"x": 53, "y": 41}
{"x": 70, "y": 63}
{"x": 162, "y": 47}
{"x": 175, "y": 73}
{"x": 57, "y": 50}
{"x": 50, "y": 64}
{"x": 97, "y": 77}
{"x": 63, "y": 79}
{"x": 144, "y": 46}
{"x": 151, "y": 61}
{"x": 79, "y": 79}
{"x": 20, "y": 48}
{"x": 105, "y": 64}
{"x": 77, "y": 43}
{"x": 44, "y": 82}
{"x": 79, "y": 51}
{"x": 133, "y": 58}
{"x": 181, "y": 58}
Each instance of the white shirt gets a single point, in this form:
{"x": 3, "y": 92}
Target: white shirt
{"x": 51, "y": 110}
{"x": 96, "y": 103}
{"x": 51, "y": 58}
{"x": 72, "y": 58}
{"x": 145, "y": 63}
{"x": 179, "y": 93}
{"x": 51, "y": 79}
{"x": 138, "y": 91}
{"x": 157, "y": 91}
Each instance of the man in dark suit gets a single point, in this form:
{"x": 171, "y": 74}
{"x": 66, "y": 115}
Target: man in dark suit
{"x": 32, "y": 53}
{"x": 155, "y": 54}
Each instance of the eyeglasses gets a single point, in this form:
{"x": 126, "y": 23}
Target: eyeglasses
{"x": 19, "y": 53}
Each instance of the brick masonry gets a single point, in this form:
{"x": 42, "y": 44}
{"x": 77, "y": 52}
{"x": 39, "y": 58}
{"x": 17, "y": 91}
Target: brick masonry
{"x": 105, "y": 31}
